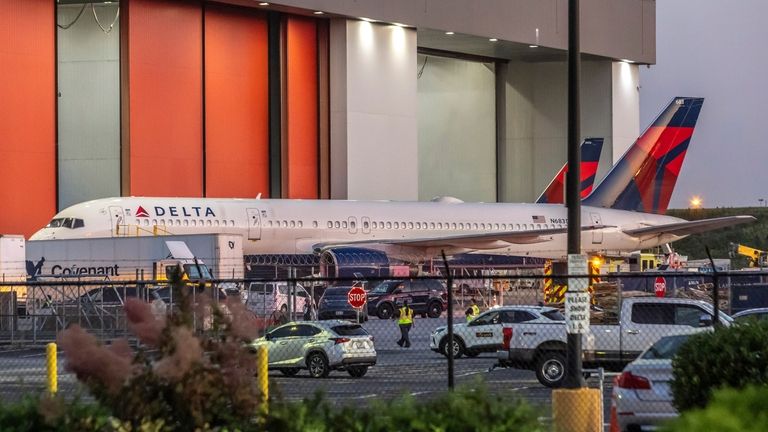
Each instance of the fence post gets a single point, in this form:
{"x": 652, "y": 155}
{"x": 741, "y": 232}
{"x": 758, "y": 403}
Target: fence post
{"x": 715, "y": 289}
{"x": 262, "y": 371}
{"x": 51, "y": 368}
{"x": 449, "y": 345}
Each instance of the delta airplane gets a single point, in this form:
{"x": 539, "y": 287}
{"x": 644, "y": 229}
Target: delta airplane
{"x": 621, "y": 215}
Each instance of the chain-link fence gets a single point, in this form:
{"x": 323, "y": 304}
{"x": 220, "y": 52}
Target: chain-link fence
{"x": 509, "y": 331}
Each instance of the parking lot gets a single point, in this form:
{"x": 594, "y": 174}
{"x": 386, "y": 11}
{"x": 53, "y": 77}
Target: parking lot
{"x": 416, "y": 371}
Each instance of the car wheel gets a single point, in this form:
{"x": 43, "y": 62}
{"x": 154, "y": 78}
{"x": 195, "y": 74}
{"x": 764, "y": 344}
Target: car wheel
{"x": 385, "y": 311}
{"x": 550, "y": 368}
{"x": 289, "y": 371}
{"x": 435, "y": 309}
{"x": 357, "y": 371}
{"x": 458, "y": 347}
{"x": 318, "y": 365}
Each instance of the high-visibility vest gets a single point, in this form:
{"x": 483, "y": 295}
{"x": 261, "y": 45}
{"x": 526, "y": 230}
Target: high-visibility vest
{"x": 406, "y": 315}
{"x": 475, "y": 312}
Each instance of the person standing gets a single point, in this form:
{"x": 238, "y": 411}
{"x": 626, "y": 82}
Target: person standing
{"x": 405, "y": 321}
{"x": 473, "y": 311}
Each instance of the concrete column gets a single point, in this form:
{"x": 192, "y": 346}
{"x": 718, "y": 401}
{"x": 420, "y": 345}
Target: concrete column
{"x": 625, "y": 106}
{"x": 374, "y": 151}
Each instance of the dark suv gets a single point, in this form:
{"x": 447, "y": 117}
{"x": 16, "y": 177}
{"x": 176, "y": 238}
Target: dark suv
{"x": 427, "y": 297}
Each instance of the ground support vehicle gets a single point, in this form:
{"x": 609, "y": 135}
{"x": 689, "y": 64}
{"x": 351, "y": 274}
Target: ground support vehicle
{"x": 485, "y": 333}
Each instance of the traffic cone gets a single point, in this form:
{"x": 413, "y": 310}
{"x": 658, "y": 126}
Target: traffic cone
{"x": 614, "y": 425}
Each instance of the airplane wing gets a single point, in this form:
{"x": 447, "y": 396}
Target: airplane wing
{"x": 691, "y": 227}
{"x": 480, "y": 241}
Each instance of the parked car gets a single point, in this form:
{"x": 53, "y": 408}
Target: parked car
{"x": 427, "y": 297}
{"x": 334, "y": 305}
{"x": 264, "y": 298}
{"x": 641, "y": 396}
{"x": 485, "y": 333}
{"x": 319, "y": 347}
{"x": 756, "y": 314}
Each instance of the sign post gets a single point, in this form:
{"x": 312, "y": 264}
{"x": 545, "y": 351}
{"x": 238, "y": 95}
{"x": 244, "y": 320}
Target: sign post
{"x": 577, "y": 296}
{"x": 660, "y": 286}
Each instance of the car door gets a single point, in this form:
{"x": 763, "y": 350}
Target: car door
{"x": 484, "y": 330}
{"x": 419, "y": 290}
{"x": 278, "y": 344}
{"x": 289, "y": 346}
{"x": 650, "y": 321}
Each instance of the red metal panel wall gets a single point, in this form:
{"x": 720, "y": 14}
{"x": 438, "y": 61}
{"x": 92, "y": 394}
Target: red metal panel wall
{"x": 27, "y": 115}
{"x": 165, "y": 81}
{"x": 236, "y": 103}
{"x": 301, "y": 100}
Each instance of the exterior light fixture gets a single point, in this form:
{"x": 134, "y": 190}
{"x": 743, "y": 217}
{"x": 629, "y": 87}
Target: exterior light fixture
{"x": 449, "y": 33}
{"x": 263, "y": 4}
{"x": 318, "y": 12}
{"x": 627, "y": 61}
{"x": 493, "y": 40}
{"x": 533, "y": 46}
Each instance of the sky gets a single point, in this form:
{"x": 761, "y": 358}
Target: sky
{"x": 718, "y": 50}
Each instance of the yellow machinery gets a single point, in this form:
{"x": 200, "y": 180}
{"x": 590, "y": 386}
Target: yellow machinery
{"x": 757, "y": 257}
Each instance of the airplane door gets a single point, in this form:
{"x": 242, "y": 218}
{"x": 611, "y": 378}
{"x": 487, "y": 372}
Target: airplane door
{"x": 117, "y": 221}
{"x": 366, "y": 221}
{"x": 254, "y": 224}
{"x": 597, "y": 235}
{"x": 352, "y": 225}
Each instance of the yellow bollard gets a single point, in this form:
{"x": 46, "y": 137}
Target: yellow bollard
{"x": 51, "y": 368}
{"x": 262, "y": 368}
{"x": 577, "y": 410}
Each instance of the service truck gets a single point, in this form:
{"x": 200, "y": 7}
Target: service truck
{"x": 640, "y": 322}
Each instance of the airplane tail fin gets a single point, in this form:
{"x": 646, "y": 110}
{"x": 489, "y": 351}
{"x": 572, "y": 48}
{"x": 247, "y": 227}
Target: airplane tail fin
{"x": 590, "y": 157}
{"x": 645, "y": 176}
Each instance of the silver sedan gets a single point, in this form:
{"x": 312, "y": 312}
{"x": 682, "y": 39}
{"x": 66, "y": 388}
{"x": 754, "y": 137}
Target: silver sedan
{"x": 642, "y": 398}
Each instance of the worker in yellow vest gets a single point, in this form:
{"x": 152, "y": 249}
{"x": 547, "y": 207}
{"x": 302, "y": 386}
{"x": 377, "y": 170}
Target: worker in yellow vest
{"x": 473, "y": 311}
{"x": 405, "y": 321}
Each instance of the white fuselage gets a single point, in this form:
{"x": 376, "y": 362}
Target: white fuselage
{"x": 282, "y": 226}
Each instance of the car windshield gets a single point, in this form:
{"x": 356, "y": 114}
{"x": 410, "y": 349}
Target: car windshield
{"x": 197, "y": 271}
{"x": 349, "y": 330}
{"x": 665, "y": 348}
{"x": 337, "y": 292}
{"x": 384, "y": 287}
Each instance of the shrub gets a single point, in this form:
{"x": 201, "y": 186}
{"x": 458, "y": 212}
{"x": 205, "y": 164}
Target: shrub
{"x": 730, "y": 410}
{"x": 177, "y": 379}
{"x": 463, "y": 410}
{"x": 53, "y": 414}
{"x": 734, "y": 356}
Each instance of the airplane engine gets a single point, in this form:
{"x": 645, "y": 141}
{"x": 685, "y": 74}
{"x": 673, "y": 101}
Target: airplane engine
{"x": 354, "y": 262}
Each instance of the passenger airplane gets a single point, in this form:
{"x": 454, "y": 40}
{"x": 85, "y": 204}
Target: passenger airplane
{"x": 642, "y": 179}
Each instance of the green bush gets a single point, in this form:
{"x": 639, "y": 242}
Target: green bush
{"x": 53, "y": 414}
{"x": 464, "y": 410}
{"x": 735, "y": 356}
{"x": 730, "y": 410}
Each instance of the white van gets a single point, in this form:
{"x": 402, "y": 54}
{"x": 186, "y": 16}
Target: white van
{"x": 264, "y": 298}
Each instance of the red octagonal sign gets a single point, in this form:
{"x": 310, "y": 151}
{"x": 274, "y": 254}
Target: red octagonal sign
{"x": 356, "y": 297}
{"x": 660, "y": 286}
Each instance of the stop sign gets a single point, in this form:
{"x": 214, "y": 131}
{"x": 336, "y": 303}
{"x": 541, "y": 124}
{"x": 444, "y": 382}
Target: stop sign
{"x": 660, "y": 286}
{"x": 356, "y": 297}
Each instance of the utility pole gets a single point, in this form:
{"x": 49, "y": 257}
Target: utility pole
{"x": 573, "y": 377}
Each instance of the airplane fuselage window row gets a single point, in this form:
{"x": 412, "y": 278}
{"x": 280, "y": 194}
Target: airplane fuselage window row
{"x": 184, "y": 222}
{"x": 400, "y": 225}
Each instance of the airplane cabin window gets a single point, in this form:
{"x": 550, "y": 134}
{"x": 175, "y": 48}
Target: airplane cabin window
{"x": 389, "y": 225}
{"x": 186, "y": 222}
{"x": 301, "y": 224}
{"x": 397, "y": 225}
{"x": 375, "y": 226}
{"x": 315, "y": 224}
{"x": 410, "y": 225}
{"x": 352, "y": 224}
{"x": 330, "y": 224}
{"x": 344, "y": 224}
{"x": 154, "y": 221}
{"x": 337, "y": 225}
{"x": 474, "y": 225}
{"x": 293, "y": 224}
{"x": 366, "y": 225}
{"x": 208, "y": 222}
{"x": 431, "y": 225}
{"x": 461, "y": 225}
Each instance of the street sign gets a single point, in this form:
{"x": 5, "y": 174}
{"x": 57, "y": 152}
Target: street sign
{"x": 577, "y": 265}
{"x": 356, "y": 297}
{"x": 577, "y": 312}
{"x": 660, "y": 286}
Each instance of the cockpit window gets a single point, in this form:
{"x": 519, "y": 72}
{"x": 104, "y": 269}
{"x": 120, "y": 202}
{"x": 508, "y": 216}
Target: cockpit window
{"x": 71, "y": 223}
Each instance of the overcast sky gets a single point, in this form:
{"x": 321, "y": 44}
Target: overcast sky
{"x": 715, "y": 49}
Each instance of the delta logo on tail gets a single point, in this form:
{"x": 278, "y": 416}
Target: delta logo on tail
{"x": 140, "y": 212}
{"x": 590, "y": 158}
{"x": 644, "y": 178}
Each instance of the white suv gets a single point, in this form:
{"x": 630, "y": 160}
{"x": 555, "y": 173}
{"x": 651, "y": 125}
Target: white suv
{"x": 320, "y": 347}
